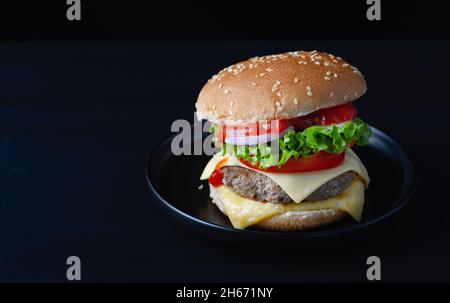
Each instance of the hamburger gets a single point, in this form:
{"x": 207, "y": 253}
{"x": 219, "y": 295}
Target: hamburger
{"x": 285, "y": 125}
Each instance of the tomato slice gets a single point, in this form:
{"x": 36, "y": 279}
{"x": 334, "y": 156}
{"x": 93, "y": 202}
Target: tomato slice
{"x": 319, "y": 161}
{"x": 326, "y": 116}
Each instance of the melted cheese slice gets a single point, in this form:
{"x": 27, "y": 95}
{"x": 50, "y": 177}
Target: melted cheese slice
{"x": 244, "y": 212}
{"x": 297, "y": 185}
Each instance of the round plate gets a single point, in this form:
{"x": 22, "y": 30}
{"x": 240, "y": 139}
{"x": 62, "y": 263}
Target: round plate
{"x": 175, "y": 182}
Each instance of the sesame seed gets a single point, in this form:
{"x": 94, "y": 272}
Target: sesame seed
{"x": 317, "y": 62}
{"x": 280, "y": 108}
{"x": 328, "y": 73}
{"x": 327, "y": 78}
{"x": 327, "y": 63}
{"x": 253, "y": 83}
{"x": 231, "y": 103}
{"x": 335, "y": 61}
{"x": 279, "y": 94}
{"x": 331, "y": 94}
{"x": 308, "y": 87}
{"x": 345, "y": 65}
{"x": 300, "y": 62}
{"x": 335, "y": 75}
{"x": 278, "y": 103}
{"x": 275, "y": 86}
{"x": 304, "y": 63}
{"x": 309, "y": 93}
{"x": 296, "y": 80}
{"x": 295, "y": 101}
{"x": 226, "y": 91}
{"x": 262, "y": 74}
{"x": 220, "y": 85}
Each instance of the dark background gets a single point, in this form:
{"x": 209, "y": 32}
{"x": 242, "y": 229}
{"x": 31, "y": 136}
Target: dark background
{"x": 231, "y": 19}
{"x": 79, "y": 118}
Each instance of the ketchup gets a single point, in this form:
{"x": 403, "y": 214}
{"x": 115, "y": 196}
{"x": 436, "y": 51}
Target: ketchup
{"x": 216, "y": 178}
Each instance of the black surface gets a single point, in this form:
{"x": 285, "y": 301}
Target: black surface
{"x": 78, "y": 122}
{"x": 190, "y": 202}
{"x": 325, "y": 19}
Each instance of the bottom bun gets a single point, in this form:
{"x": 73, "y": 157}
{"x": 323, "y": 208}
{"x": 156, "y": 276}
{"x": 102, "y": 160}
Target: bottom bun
{"x": 292, "y": 220}
{"x": 301, "y": 220}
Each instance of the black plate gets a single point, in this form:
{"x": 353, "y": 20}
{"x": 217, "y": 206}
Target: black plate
{"x": 175, "y": 181}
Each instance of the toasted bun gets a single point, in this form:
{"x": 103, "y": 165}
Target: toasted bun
{"x": 280, "y": 86}
{"x": 305, "y": 220}
{"x": 291, "y": 221}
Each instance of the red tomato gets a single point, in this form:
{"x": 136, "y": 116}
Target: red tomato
{"x": 326, "y": 116}
{"x": 319, "y": 161}
{"x": 216, "y": 178}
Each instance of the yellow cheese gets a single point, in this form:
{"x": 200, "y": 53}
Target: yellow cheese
{"x": 298, "y": 185}
{"x": 244, "y": 212}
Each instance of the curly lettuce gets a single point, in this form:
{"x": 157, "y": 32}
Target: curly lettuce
{"x": 333, "y": 139}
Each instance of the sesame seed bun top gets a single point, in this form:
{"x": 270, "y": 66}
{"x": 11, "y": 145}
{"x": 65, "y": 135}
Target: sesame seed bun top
{"x": 279, "y": 86}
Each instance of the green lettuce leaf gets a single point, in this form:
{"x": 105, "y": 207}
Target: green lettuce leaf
{"x": 334, "y": 139}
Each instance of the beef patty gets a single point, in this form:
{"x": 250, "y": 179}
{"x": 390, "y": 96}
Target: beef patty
{"x": 253, "y": 185}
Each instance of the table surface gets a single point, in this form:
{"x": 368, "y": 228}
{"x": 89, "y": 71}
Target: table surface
{"x": 78, "y": 120}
